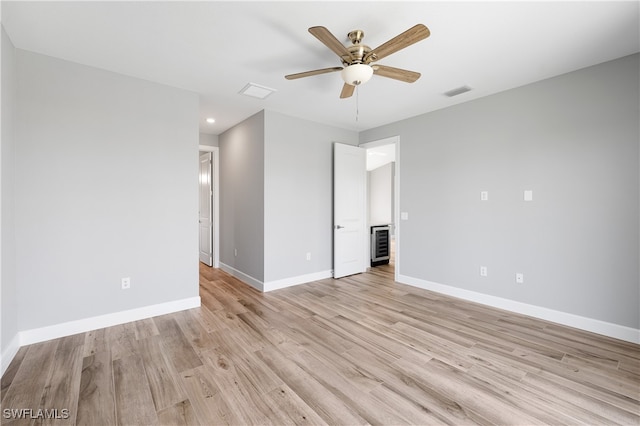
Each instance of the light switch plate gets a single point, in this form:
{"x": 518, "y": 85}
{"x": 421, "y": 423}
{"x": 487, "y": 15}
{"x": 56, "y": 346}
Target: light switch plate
{"x": 528, "y": 195}
{"x": 404, "y": 215}
{"x": 484, "y": 195}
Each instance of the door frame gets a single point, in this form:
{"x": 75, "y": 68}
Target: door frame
{"x": 396, "y": 195}
{"x": 215, "y": 176}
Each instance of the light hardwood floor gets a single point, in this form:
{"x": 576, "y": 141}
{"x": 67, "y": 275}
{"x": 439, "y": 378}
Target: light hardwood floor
{"x": 359, "y": 350}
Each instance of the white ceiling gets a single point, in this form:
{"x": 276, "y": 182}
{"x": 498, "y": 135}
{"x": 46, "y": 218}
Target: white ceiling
{"x": 216, "y": 48}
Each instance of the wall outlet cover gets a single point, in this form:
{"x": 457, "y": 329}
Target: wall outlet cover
{"x": 126, "y": 283}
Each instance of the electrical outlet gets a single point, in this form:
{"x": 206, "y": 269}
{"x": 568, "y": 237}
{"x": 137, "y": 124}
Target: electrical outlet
{"x": 484, "y": 195}
{"x": 309, "y": 256}
{"x": 483, "y": 271}
{"x": 520, "y": 278}
{"x": 126, "y": 283}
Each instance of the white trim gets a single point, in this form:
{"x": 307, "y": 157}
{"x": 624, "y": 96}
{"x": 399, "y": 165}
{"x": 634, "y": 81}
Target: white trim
{"x": 588, "y": 324}
{"x": 9, "y": 353}
{"x": 42, "y": 334}
{"x": 247, "y": 279}
{"x": 277, "y": 284}
{"x": 396, "y": 213}
{"x": 215, "y": 151}
{"x": 380, "y": 142}
{"x": 300, "y": 279}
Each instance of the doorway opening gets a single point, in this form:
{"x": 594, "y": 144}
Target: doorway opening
{"x": 383, "y": 202}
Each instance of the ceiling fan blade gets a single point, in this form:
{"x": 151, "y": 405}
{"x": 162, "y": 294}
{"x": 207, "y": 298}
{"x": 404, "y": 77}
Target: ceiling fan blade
{"x": 396, "y": 73}
{"x": 407, "y": 38}
{"x": 347, "y": 91}
{"x": 310, "y": 73}
{"x": 329, "y": 40}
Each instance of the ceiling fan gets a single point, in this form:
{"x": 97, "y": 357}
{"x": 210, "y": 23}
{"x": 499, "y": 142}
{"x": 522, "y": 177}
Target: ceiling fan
{"x": 358, "y": 58}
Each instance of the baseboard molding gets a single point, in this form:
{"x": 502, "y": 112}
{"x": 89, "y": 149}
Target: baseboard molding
{"x": 247, "y": 279}
{"x": 9, "y": 353}
{"x": 277, "y": 284}
{"x": 42, "y": 334}
{"x": 300, "y": 279}
{"x": 588, "y": 324}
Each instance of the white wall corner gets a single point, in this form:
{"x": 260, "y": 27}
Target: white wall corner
{"x": 9, "y": 353}
{"x": 247, "y": 279}
{"x": 583, "y": 323}
{"x": 300, "y": 279}
{"x": 42, "y": 334}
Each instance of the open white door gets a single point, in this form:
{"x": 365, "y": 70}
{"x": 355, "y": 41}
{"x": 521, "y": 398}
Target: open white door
{"x": 349, "y": 210}
{"x": 206, "y": 212}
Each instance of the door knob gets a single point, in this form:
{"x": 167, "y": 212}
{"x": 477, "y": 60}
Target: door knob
{"x": 339, "y": 227}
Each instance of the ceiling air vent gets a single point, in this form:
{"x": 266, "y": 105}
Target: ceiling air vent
{"x": 457, "y": 91}
{"x": 256, "y": 91}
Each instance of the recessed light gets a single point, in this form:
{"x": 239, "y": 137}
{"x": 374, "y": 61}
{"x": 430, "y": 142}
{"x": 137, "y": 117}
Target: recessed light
{"x": 211, "y": 120}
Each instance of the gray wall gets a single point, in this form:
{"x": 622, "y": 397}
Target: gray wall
{"x": 276, "y": 196}
{"x": 8, "y": 291}
{"x": 380, "y": 183}
{"x": 208, "y": 140}
{"x": 573, "y": 140}
{"x": 242, "y": 197}
{"x": 106, "y": 187}
{"x": 298, "y": 185}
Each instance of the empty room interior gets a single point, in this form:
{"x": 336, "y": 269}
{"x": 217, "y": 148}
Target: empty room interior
{"x": 317, "y": 212}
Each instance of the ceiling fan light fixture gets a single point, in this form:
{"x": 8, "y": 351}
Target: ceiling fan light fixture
{"x": 357, "y": 74}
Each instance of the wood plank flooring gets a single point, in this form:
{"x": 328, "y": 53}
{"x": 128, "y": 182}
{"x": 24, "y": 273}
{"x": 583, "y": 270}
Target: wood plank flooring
{"x": 359, "y": 350}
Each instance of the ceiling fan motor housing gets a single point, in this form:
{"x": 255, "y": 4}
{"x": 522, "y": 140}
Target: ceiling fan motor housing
{"x": 357, "y": 50}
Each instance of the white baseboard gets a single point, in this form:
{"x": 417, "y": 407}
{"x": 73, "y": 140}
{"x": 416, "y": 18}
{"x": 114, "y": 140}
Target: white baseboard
{"x": 42, "y": 334}
{"x": 247, "y": 279}
{"x": 277, "y": 284}
{"x": 9, "y": 353}
{"x": 300, "y": 279}
{"x": 588, "y": 324}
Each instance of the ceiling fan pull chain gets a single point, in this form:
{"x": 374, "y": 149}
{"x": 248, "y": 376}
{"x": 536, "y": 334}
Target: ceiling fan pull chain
{"x": 357, "y": 103}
